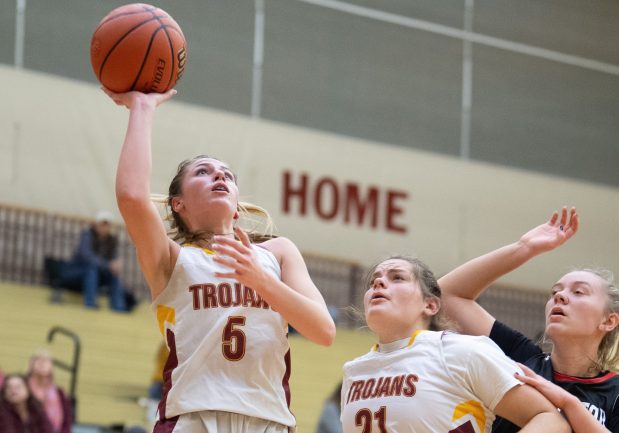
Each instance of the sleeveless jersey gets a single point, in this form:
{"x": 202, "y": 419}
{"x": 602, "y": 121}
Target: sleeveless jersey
{"x": 599, "y": 395}
{"x": 439, "y": 382}
{"x": 228, "y": 349}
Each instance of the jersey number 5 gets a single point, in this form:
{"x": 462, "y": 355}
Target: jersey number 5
{"x": 363, "y": 419}
{"x": 233, "y": 339}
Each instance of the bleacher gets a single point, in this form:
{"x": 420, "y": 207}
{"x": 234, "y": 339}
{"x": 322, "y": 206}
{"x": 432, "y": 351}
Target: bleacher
{"x": 117, "y": 350}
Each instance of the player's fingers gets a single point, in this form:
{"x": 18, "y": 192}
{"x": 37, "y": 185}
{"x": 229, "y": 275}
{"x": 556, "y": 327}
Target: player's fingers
{"x": 564, "y": 216}
{"x": 242, "y": 237}
{"x": 226, "y": 275}
{"x": 228, "y": 262}
{"x": 165, "y": 96}
{"x": 553, "y": 218}
{"x": 524, "y": 379}
{"x": 527, "y": 370}
{"x": 575, "y": 223}
{"x": 232, "y": 243}
{"x": 227, "y": 251}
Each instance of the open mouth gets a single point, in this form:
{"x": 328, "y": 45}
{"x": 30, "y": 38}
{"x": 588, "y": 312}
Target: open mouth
{"x": 557, "y": 311}
{"x": 220, "y": 186}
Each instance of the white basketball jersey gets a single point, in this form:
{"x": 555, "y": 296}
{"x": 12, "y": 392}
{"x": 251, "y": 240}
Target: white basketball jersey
{"x": 228, "y": 349}
{"x": 433, "y": 382}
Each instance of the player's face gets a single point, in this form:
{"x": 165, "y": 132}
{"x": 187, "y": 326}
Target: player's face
{"x": 209, "y": 183}
{"x": 16, "y": 390}
{"x": 394, "y": 303}
{"x": 578, "y": 306}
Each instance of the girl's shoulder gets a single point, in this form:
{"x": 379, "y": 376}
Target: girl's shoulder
{"x": 279, "y": 247}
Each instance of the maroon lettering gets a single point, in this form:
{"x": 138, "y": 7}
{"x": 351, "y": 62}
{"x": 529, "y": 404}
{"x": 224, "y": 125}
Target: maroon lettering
{"x": 209, "y": 296}
{"x": 367, "y": 388}
{"x": 224, "y": 295}
{"x": 410, "y": 389}
{"x": 360, "y": 207}
{"x": 378, "y": 386}
{"x": 195, "y": 292}
{"x": 393, "y": 210}
{"x": 238, "y": 298}
{"x": 384, "y": 390}
{"x": 358, "y": 386}
{"x": 389, "y": 386}
{"x": 332, "y": 198}
{"x": 396, "y": 385}
{"x": 290, "y": 192}
{"x": 248, "y": 297}
{"x": 364, "y": 207}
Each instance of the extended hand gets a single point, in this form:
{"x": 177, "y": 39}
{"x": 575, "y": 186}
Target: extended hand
{"x": 553, "y": 233}
{"x": 129, "y": 99}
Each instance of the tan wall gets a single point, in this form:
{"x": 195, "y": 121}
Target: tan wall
{"x": 61, "y": 140}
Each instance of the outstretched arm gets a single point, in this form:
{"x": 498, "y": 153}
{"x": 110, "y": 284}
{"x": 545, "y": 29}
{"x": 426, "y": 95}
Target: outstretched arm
{"x": 295, "y": 296}
{"x": 156, "y": 252}
{"x": 581, "y": 420}
{"x": 462, "y": 286}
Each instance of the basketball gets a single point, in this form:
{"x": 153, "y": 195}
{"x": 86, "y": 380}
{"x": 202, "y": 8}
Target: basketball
{"x": 138, "y": 47}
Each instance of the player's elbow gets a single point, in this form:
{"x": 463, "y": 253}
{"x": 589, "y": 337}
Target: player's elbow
{"x": 327, "y": 334}
{"x": 551, "y": 422}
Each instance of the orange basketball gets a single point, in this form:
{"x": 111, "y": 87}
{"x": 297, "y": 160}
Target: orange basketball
{"x": 138, "y": 47}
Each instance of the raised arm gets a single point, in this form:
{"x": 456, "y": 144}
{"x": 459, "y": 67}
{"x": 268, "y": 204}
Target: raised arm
{"x": 462, "y": 286}
{"x": 295, "y": 297}
{"x": 156, "y": 252}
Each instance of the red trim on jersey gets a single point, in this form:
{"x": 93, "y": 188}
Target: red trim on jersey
{"x": 166, "y": 425}
{"x": 286, "y": 378}
{"x": 170, "y": 365}
{"x": 560, "y": 377}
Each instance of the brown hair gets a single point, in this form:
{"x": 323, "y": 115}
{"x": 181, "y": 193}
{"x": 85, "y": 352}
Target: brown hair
{"x": 427, "y": 283}
{"x": 256, "y": 221}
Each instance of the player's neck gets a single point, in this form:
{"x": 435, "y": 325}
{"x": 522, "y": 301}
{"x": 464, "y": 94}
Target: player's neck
{"x": 575, "y": 360}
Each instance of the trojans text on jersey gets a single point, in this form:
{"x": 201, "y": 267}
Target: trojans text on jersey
{"x": 211, "y": 295}
{"x": 389, "y": 386}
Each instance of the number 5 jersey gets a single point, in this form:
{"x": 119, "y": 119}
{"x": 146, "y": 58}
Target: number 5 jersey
{"x": 228, "y": 349}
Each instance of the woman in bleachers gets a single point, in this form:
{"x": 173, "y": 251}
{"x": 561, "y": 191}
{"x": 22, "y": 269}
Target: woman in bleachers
{"x": 20, "y": 412}
{"x": 41, "y": 381}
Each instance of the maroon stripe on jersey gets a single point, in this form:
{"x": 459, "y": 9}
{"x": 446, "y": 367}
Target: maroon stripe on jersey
{"x": 166, "y": 425}
{"x": 170, "y": 365}
{"x": 559, "y": 377}
{"x": 286, "y": 378}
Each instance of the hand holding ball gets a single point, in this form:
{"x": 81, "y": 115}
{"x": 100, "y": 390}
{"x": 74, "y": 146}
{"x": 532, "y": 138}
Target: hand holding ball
{"x": 138, "y": 47}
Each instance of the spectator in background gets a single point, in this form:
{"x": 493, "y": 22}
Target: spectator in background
{"x": 95, "y": 264}
{"x": 41, "y": 381}
{"x": 329, "y": 421}
{"x": 19, "y": 411}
